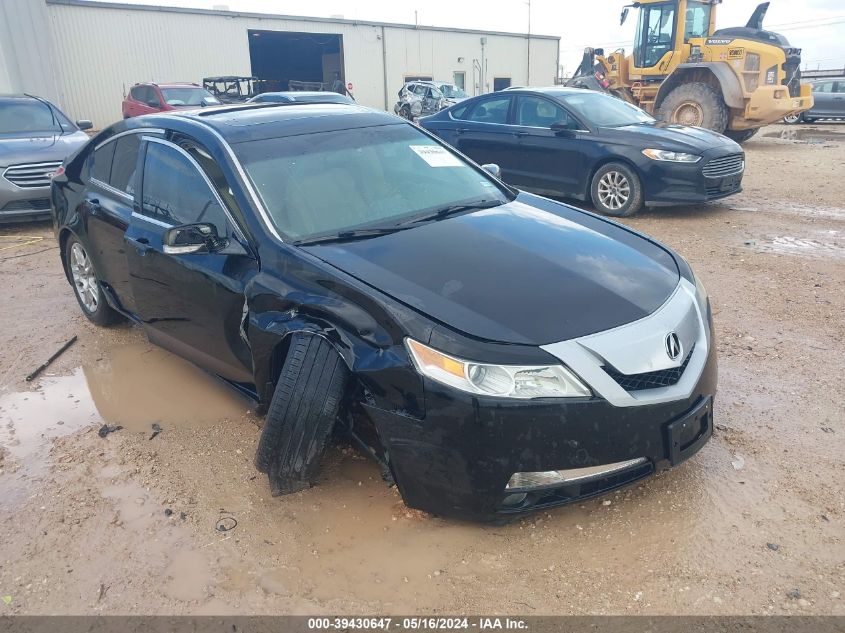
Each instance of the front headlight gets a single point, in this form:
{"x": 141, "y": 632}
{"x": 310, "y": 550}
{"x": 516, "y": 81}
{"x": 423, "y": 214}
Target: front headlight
{"x": 671, "y": 157}
{"x": 505, "y": 381}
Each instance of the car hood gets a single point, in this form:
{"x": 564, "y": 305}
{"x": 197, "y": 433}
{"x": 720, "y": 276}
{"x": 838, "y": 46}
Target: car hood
{"x": 671, "y": 137}
{"x": 528, "y": 272}
{"x": 39, "y": 148}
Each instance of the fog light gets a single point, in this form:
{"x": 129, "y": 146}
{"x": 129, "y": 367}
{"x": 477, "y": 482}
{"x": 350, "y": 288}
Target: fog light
{"x": 524, "y": 481}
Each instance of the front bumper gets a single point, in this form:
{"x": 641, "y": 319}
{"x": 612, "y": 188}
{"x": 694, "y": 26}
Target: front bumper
{"x": 23, "y": 204}
{"x": 671, "y": 184}
{"x": 769, "y": 104}
{"x": 458, "y": 460}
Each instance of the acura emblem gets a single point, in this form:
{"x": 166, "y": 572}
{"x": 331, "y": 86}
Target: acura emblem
{"x": 673, "y": 346}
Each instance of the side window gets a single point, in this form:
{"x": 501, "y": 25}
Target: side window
{"x": 420, "y": 89}
{"x": 537, "y": 112}
{"x": 175, "y": 192}
{"x": 101, "y": 162}
{"x": 825, "y": 87}
{"x": 123, "y": 175}
{"x": 840, "y": 87}
{"x": 459, "y": 112}
{"x": 490, "y": 111}
{"x": 137, "y": 93}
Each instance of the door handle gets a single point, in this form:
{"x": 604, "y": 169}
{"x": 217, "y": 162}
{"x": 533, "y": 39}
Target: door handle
{"x": 141, "y": 245}
{"x": 460, "y": 130}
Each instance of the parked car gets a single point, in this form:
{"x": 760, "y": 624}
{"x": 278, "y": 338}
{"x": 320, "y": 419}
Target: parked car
{"x": 498, "y": 352}
{"x": 315, "y": 96}
{"x": 35, "y": 137}
{"x": 419, "y": 98}
{"x": 232, "y": 88}
{"x": 829, "y": 98}
{"x": 591, "y": 146}
{"x": 450, "y": 92}
{"x": 147, "y": 98}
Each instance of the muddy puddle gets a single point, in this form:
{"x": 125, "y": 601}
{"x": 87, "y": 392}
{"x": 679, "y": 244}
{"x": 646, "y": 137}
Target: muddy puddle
{"x": 830, "y": 245}
{"x": 807, "y": 136}
{"x": 132, "y": 385}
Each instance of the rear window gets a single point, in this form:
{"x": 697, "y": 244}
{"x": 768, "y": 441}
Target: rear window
{"x": 125, "y": 163}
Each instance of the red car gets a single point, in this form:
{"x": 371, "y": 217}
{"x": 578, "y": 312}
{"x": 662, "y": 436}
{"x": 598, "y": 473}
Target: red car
{"x": 149, "y": 98}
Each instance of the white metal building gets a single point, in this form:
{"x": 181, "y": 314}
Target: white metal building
{"x": 84, "y": 55}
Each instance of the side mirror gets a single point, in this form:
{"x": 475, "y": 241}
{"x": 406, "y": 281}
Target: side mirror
{"x": 84, "y": 124}
{"x": 192, "y": 238}
{"x": 493, "y": 169}
{"x": 562, "y": 129}
{"x": 624, "y": 16}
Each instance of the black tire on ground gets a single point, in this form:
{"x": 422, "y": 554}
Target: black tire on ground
{"x": 695, "y": 104}
{"x": 795, "y": 119}
{"x": 622, "y": 179}
{"x": 99, "y": 312}
{"x": 742, "y": 135}
{"x": 301, "y": 414}
{"x": 405, "y": 112}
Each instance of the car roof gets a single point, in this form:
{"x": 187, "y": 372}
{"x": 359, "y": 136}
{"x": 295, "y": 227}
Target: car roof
{"x": 252, "y": 121}
{"x": 173, "y": 84}
{"x": 22, "y": 97}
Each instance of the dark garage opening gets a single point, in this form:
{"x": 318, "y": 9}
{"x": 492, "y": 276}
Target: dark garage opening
{"x": 279, "y": 57}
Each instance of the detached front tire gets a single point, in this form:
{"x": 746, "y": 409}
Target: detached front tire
{"x": 86, "y": 286}
{"x": 302, "y": 414}
{"x": 616, "y": 190}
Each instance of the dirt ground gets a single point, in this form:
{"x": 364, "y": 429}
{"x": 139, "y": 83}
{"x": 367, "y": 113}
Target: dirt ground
{"x": 754, "y": 524}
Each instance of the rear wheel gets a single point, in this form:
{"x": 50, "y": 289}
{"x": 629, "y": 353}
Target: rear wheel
{"x": 405, "y": 112}
{"x": 740, "y": 136}
{"x": 695, "y": 104}
{"x": 302, "y": 414}
{"x": 616, "y": 190}
{"x": 86, "y": 286}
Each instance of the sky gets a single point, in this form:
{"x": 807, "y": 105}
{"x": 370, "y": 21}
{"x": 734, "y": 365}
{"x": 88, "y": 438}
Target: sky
{"x": 816, "y": 26}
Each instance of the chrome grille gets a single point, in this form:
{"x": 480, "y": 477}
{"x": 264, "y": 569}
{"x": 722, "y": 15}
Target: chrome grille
{"x": 725, "y": 166}
{"x": 31, "y": 175}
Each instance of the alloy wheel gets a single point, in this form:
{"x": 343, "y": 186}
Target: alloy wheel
{"x": 614, "y": 190}
{"x": 84, "y": 281}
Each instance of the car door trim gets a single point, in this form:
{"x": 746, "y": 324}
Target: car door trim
{"x": 201, "y": 172}
{"x": 145, "y": 130}
{"x": 141, "y": 216}
{"x": 113, "y": 190}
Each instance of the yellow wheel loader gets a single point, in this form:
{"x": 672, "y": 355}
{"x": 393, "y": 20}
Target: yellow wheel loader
{"x": 683, "y": 70}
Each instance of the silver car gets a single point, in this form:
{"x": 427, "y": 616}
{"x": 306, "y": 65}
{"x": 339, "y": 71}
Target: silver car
{"x": 35, "y": 138}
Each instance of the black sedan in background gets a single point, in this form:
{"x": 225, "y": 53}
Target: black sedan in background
{"x": 498, "y": 352}
{"x": 591, "y": 146}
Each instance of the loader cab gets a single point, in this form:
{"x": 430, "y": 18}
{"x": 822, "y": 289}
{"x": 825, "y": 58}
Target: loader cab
{"x": 664, "y": 29}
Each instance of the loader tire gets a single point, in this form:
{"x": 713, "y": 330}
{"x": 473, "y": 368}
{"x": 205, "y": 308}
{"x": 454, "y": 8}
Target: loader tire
{"x": 302, "y": 414}
{"x": 696, "y": 104}
{"x": 740, "y": 136}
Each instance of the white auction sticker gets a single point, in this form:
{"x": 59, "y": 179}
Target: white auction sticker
{"x": 436, "y": 156}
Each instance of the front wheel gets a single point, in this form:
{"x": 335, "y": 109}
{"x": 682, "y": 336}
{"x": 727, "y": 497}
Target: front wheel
{"x": 86, "y": 286}
{"x": 302, "y": 414}
{"x": 793, "y": 119}
{"x": 616, "y": 191}
{"x": 697, "y": 105}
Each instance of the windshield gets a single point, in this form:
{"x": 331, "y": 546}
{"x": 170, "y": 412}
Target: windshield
{"x": 604, "y": 110}
{"x": 188, "y": 96}
{"x": 21, "y": 116}
{"x": 321, "y": 184}
{"x": 453, "y": 92}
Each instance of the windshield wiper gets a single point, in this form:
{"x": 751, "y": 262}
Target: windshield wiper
{"x": 350, "y": 235}
{"x": 452, "y": 209}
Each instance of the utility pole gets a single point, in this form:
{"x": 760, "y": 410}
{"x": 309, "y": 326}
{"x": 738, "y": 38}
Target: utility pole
{"x": 528, "y": 74}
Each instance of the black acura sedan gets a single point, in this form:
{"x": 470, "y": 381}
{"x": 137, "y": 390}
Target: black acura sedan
{"x": 494, "y": 351}
{"x": 591, "y": 146}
